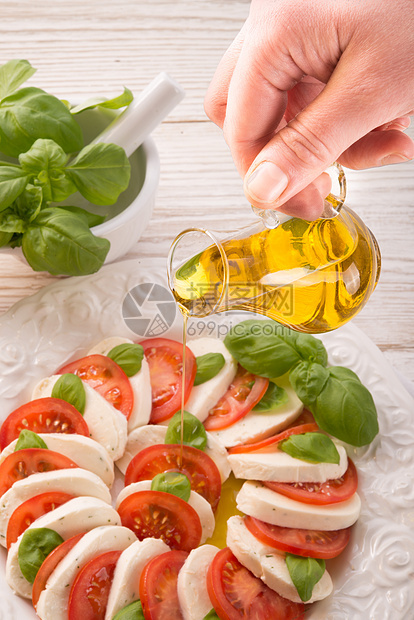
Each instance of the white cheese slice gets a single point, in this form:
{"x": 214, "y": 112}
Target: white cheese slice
{"x": 196, "y": 501}
{"x": 53, "y": 601}
{"x": 84, "y": 451}
{"x": 107, "y": 425}
{"x": 140, "y": 383}
{"x": 258, "y": 501}
{"x": 153, "y": 434}
{"x": 269, "y": 565}
{"x": 125, "y": 584}
{"x": 76, "y": 516}
{"x": 192, "y": 591}
{"x": 76, "y": 481}
{"x": 204, "y": 396}
{"x": 281, "y": 467}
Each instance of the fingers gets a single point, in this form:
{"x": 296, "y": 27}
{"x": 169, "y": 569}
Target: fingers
{"x": 379, "y": 148}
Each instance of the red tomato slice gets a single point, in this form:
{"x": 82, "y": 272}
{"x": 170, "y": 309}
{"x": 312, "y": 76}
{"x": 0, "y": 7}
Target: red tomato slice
{"x": 107, "y": 378}
{"x": 199, "y": 468}
{"x": 242, "y": 395}
{"x": 275, "y": 439}
{"x": 23, "y": 463}
{"x": 89, "y": 593}
{"x": 237, "y": 594}
{"x": 49, "y": 565}
{"x": 161, "y": 515}
{"x": 307, "y": 543}
{"x": 31, "y": 510}
{"x": 165, "y": 360}
{"x": 330, "y": 492}
{"x": 158, "y": 586}
{"x": 43, "y": 415}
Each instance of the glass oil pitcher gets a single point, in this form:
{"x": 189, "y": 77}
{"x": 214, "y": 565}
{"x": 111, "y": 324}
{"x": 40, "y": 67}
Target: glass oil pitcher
{"x": 312, "y": 276}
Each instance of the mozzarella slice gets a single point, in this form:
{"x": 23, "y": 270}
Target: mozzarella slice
{"x": 256, "y": 426}
{"x": 76, "y": 516}
{"x": 140, "y": 383}
{"x": 84, "y": 451}
{"x": 53, "y": 601}
{"x": 192, "y": 592}
{"x": 76, "y": 481}
{"x": 125, "y": 583}
{"x": 153, "y": 434}
{"x": 196, "y": 501}
{"x": 261, "y": 502}
{"x": 281, "y": 467}
{"x": 203, "y": 397}
{"x": 269, "y": 565}
{"x": 107, "y": 425}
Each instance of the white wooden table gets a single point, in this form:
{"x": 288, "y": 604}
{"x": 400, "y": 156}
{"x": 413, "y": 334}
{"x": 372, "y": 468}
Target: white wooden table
{"x": 86, "y": 47}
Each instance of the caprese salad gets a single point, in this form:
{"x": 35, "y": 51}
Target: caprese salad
{"x": 228, "y": 510}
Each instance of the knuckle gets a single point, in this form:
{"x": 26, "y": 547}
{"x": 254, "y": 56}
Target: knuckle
{"x": 305, "y": 145}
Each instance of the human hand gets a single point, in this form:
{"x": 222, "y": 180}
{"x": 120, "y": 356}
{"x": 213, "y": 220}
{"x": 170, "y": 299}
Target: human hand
{"x": 308, "y": 83}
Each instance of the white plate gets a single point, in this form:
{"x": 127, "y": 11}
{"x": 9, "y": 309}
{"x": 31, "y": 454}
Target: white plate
{"x": 373, "y": 578}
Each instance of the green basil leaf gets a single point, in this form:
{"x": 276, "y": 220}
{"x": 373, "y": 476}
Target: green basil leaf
{"x": 35, "y": 546}
{"x": 128, "y": 356}
{"x": 308, "y": 380}
{"x": 208, "y": 366}
{"x": 172, "y": 482}
{"x": 31, "y": 113}
{"x": 91, "y": 219}
{"x": 311, "y": 349}
{"x": 194, "y": 433}
{"x": 212, "y": 615}
{"x": 70, "y": 388}
{"x": 133, "y": 611}
{"x": 274, "y": 397}
{"x": 114, "y": 104}
{"x": 60, "y": 242}
{"x": 305, "y": 574}
{"x": 29, "y": 439}
{"x": 5, "y": 238}
{"x": 12, "y": 183}
{"x": 11, "y": 223}
{"x": 13, "y": 74}
{"x": 311, "y": 447}
{"x": 100, "y": 172}
{"x": 29, "y": 203}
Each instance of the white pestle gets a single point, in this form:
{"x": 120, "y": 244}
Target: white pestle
{"x": 131, "y": 127}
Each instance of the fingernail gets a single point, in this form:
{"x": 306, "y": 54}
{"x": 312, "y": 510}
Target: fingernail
{"x": 266, "y": 182}
{"x": 394, "y": 158}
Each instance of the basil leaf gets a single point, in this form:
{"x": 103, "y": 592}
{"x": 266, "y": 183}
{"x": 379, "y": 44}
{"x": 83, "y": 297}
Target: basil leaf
{"x": 128, "y": 356}
{"x": 305, "y": 574}
{"x": 91, "y": 219}
{"x": 11, "y": 223}
{"x": 133, "y": 611}
{"x": 13, "y": 74}
{"x": 194, "y": 433}
{"x": 174, "y": 483}
{"x": 31, "y": 113}
{"x": 114, "y": 104}
{"x": 311, "y": 349}
{"x": 212, "y": 615}
{"x": 29, "y": 439}
{"x": 308, "y": 380}
{"x": 5, "y": 238}
{"x": 35, "y": 546}
{"x": 12, "y": 183}
{"x": 70, "y": 388}
{"x": 311, "y": 447}
{"x": 60, "y": 242}
{"x": 29, "y": 203}
{"x": 208, "y": 366}
{"x": 274, "y": 397}
{"x": 100, "y": 172}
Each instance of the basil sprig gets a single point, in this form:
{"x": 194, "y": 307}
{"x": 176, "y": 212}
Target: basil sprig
{"x": 29, "y": 439}
{"x": 128, "y": 356}
{"x": 311, "y": 447}
{"x": 273, "y": 398}
{"x": 305, "y": 574}
{"x": 70, "y": 388}
{"x": 35, "y": 546}
{"x": 172, "y": 482}
{"x": 208, "y": 366}
{"x": 194, "y": 433}
{"x": 133, "y": 611}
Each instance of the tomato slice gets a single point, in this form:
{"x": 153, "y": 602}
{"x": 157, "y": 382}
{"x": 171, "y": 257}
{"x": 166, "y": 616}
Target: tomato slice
{"x": 158, "y": 586}
{"x": 49, "y": 565}
{"x": 161, "y": 515}
{"x": 107, "y": 378}
{"x": 31, "y": 510}
{"x": 23, "y": 463}
{"x": 329, "y": 492}
{"x": 237, "y": 594}
{"x": 165, "y": 360}
{"x": 43, "y": 415}
{"x": 89, "y": 593}
{"x": 242, "y": 395}
{"x": 198, "y": 466}
{"x": 275, "y": 439}
{"x": 307, "y": 543}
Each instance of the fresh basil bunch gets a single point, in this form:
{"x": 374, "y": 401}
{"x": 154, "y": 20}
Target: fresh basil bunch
{"x": 46, "y": 162}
